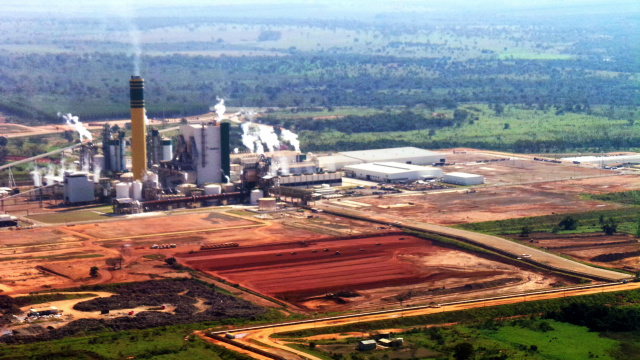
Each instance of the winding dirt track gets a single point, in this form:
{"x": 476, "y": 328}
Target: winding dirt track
{"x": 274, "y": 346}
{"x": 492, "y": 242}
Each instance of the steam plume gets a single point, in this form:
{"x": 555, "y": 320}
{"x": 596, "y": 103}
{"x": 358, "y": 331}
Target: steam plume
{"x": 292, "y": 138}
{"x": 220, "y": 108}
{"x": 75, "y": 122}
{"x": 36, "y": 175}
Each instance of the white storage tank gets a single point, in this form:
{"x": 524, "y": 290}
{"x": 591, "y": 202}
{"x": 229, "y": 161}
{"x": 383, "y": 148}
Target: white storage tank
{"x": 122, "y": 190}
{"x": 267, "y": 204}
{"x": 255, "y": 196}
{"x": 228, "y": 188}
{"x": 167, "y": 150}
{"x": 126, "y": 177}
{"x": 137, "y": 190}
{"x": 212, "y": 189}
{"x": 153, "y": 178}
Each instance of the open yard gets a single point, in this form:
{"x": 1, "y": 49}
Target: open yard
{"x": 343, "y": 273}
{"x": 459, "y": 206}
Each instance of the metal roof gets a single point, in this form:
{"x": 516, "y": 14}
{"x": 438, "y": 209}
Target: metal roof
{"x": 462, "y": 175}
{"x": 388, "y": 167}
{"x": 388, "y": 154}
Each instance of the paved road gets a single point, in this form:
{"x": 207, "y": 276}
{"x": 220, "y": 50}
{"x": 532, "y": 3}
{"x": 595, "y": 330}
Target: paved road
{"x": 488, "y": 241}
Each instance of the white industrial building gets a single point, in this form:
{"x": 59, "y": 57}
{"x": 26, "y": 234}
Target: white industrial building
{"x": 78, "y": 188}
{"x": 406, "y": 155}
{"x": 201, "y": 156}
{"x": 459, "y": 178}
{"x": 605, "y": 160}
{"x": 392, "y": 172}
{"x": 309, "y": 180}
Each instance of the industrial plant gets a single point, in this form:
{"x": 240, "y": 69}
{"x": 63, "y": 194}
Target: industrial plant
{"x": 197, "y": 167}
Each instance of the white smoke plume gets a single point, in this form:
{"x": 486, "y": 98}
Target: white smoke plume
{"x": 255, "y": 135}
{"x": 220, "y": 108}
{"x": 134, "y": 34}
{"x": 36, "y": 175}
{"x": 86, "y": 162}
{"x": 225, "y": 176}
{"x": 77, "y": 125}
{"x": 269, "y": 137}
{"x": 96, "y": 173}
{"x": 292, "y": 138}
{"x": 282, "y": 165}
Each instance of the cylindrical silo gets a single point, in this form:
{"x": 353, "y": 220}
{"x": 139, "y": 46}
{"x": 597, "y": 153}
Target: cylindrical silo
{"x": 267, "y": 204}
{"x": 255, "y": 196}
{"x": 153, "y": 177}
{"x": 167, "y": 149}
{"x": 113, "y": 155}
{"x": 122, "y": 190}
{"x": 137, "y": 190}
{"x": 98, "y": 162}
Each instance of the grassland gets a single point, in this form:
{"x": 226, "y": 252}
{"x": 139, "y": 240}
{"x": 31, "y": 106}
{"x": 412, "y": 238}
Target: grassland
{"x": 63, "y": 217}
{"x": 516, "y": 331}
{"x": 159, "y": 343}
{"x": 626, "y": 218}
{"x": 517, "y": 128}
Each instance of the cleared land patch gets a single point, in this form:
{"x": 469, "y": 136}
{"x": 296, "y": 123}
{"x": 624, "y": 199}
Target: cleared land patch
{"x": 341, "y": 273}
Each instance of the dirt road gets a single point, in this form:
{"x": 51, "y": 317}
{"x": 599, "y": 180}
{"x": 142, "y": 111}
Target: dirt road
{"x": 263, "y": 335}
{"x": 501, "y": 245}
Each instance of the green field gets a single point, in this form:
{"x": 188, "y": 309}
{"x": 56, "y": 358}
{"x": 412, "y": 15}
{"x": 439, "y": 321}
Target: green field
{"x": 627, "y": 219}
{"x": 67, "y": 217}
{"x": 517, "y": 129}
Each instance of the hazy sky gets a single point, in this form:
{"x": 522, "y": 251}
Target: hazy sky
{"x": 372, "y": 5}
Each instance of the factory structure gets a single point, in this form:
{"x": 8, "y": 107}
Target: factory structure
{"x": 146, "y": 172}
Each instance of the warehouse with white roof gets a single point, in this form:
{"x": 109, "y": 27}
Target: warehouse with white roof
{"x": 406, "y": 155}
{"x": 392, "y": 172}
{"x": 459, "y": 178}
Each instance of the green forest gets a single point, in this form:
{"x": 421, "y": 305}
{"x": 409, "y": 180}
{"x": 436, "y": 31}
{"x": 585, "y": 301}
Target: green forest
{"x": 541, "y": 81}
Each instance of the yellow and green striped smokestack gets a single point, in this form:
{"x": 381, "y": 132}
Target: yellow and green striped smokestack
{"x": 138, "y": 128}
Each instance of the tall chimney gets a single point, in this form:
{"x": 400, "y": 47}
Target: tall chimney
{"x": 138, "y": 128}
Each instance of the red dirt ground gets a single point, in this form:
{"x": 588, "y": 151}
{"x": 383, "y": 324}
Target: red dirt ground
{"x": 162, "y": 224}
{"x": 586, "y": 246}
{"x": 504, "y": 202}
{"x": 394, "y": 263}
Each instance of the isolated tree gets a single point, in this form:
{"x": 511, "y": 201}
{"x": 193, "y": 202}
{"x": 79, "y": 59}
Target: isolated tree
{"x": 610, "y": 227}
{"x": 68, "y": 135}
{"x": 3, "y": 154}
{"x": 460, "y": 115}
{"x": 171, "y": 261}
{"x": 507, "y": 126}
{"x": 525, "y": 231}
{"x": 93, "y": 272}
{"x": 463, "y": 351}
{"x": 3, "y": 141}
{"x": 568, "y": 223}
